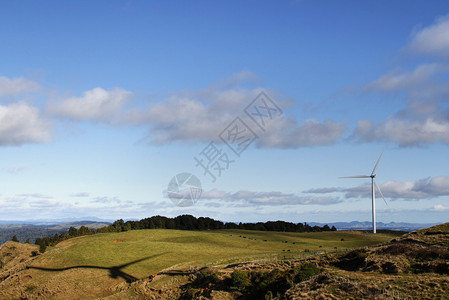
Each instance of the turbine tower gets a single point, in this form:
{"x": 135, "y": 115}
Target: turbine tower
{"x": 373, "y": 192}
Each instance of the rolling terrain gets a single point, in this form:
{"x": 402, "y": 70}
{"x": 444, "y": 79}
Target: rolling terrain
{"x": 172, "y": 264}
{"x": 93, "y": 266}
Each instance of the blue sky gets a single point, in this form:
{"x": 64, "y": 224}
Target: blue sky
{"x": 102, "y": 103}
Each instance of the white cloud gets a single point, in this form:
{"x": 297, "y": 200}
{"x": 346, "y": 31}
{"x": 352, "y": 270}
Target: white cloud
{"x": 82, "y": 195}
{"x": 403, "y": 132}
{"x": 13, "y": 169}
{"x": 284, "y": 133}
{"x": 26, "y": 208}
{"x": 20, "y": 123}
{"x": 397, "y": 80}
{"x": 29, "y": 202}
{"x": 432, "y": 40}
{"x": 214, "y": 194}
{"x": 425, "y": 119}
{"x": 184, "y": 119}
{"x": 247, "y": 198}
{"x": 203, "y": 115}
{"x": 436, "y": 186}
{"x": 323, "y": 190}
{"x": 192, "y": 116}
{"x": 196, "y": 116}
{"x": 95, "y": 105}
{"x": 106, "y": 200}
{"x": 16, "y": 86}
{"x": 35, "y": 195}
{"x": 440, "y": 207}
{"x": 407, "y": 190}
{"x": 43, "y": 204}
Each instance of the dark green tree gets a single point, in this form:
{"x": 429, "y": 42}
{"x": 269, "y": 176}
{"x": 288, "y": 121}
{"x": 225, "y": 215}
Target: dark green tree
{"x": 84, "y": 231}
{"x": 73, "y": 231}
{"x": 15, "y": 239}
{"x": 126, "y": 226}
{"x": 42, "y": 248}
{"x": 64, "y": 236}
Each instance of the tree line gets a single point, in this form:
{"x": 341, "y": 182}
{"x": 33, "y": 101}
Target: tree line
{"x": 183, "y": 222}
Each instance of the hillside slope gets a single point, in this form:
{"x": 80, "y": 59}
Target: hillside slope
{"x": 102, "y": 265}
{"x": 414, "y": 266}
{"x": 402, "y": 268}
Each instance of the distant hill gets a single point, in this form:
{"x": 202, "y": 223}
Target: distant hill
{"x": 357, "y": 225}
{"x": 49, "y": 222}
{"x": 25, "y": 231}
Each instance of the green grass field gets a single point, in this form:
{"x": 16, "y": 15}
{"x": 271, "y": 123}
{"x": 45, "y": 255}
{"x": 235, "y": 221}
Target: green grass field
{"x": 103, "y": 265}
{"x": 160, "y": 249}
{"x": 91, "y": 267}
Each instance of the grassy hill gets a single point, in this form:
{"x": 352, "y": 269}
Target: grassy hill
{"x": 436, "y": 235}
{"x": 101, "y": 265}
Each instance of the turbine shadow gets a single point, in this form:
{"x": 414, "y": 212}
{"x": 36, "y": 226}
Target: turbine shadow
{"x": 176, "y": 273}
{"x": 114, "y": 271}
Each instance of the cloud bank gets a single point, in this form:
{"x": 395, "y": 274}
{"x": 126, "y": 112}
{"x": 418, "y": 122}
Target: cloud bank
{"x": 425, "y": 118}
{"x": 275, "y": 198}
{"x": 17, "y": 86}
{"x": 432, "y": 40}
{"x": 95, "y": 105}
{"x": 21, "y": 123}
{"x": 426, "y": 188}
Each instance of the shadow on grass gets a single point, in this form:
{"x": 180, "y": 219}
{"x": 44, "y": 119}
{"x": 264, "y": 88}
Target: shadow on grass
{"x": 176, "y": 273}
{"x": 114, "y": 272}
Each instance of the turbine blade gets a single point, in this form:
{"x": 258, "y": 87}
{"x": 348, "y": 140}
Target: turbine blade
{"x": 378, "y": 161}
{"x": 380, "y": 192}
{"x": 357, "y": 176}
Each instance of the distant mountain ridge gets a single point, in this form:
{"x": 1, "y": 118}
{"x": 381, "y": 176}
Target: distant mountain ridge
{"x": 54, "y": 221}
{"x": 33, "y": 231}
{"x": 366, "y": 225}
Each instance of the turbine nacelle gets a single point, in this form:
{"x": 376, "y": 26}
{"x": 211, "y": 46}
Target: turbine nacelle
{"x": 373, "y": 186}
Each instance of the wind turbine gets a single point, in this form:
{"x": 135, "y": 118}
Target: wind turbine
{"x": 373, "y": 192}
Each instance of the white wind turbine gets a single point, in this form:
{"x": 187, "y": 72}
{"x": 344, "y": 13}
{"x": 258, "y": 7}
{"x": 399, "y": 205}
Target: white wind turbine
{"x": 373, "y": 193}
